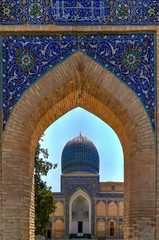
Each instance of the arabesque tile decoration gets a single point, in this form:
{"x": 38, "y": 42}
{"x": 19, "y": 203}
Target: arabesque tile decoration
{"x": 72, "y": 12}
{"x": 131, "y": 57}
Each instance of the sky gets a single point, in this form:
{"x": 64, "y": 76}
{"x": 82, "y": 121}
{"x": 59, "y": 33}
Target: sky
{"x": 104, "y": 138}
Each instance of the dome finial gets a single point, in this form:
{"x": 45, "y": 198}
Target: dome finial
{"x": 80, "y": 134}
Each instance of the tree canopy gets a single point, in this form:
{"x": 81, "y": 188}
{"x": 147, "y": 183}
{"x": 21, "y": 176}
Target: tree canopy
{"x": 44, "y": 201}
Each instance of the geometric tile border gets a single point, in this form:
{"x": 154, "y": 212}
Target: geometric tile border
{"x": 70, "y": 12}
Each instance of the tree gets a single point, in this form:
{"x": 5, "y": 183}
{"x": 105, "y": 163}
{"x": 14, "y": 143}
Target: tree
{"x": 44, "y": 201}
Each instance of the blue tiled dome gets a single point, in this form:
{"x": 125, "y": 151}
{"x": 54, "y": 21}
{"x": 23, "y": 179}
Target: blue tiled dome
{"x": 80, "y": 155}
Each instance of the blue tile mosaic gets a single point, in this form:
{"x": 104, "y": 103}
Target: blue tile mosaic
{"x": 113, "y": 201}
{"x": 80, "y": 155}
{"x": 59, "y": 200}
{"x": 109, "y": 195}
{"x": 115, "y": 219}
{"x": 74, "y": 183}
{"x": 121, "y": 220}
{"x": 101, "y": 218}
{"x": 90, "y": 185}
{"x": 101, "y": 200}
{"x": 72, "y": 12}
{"x": 60, "y": 218}
{"x": 131, "y": 57}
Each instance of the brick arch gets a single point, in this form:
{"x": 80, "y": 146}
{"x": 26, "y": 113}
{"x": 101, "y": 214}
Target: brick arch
{"x": 120, "y": 230}
{"x": 78, "y": 81}
{"x": 59, "y": 209}
{"x": 101, "y": 228}
{"x": 101, "y": 209}
{"x": 112, "y": 209}
{"x": 58, "y": 228}
{"x": 115, "y": 227}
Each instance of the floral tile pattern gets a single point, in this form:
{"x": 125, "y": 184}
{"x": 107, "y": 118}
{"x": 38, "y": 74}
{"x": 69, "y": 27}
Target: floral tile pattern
{"x": 131, "y": 57}
{"x": 72, "y": 12}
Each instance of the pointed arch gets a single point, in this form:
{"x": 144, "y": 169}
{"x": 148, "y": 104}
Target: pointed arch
{"x": 77, "y": 81}
{"x": 112, "y": 209}
{"x": 59, "y": 211}
{"x": 101, "y": 228}
{"x": 101, "y": 209}
{"x": 112, "y": 228}
{"x": 76, "y": 195}
{"x": 58, "y": 228}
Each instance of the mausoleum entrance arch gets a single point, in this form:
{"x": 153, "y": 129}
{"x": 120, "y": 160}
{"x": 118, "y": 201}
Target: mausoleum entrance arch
{"x": 80, "y": 212}
{"x": 78, "y": 81}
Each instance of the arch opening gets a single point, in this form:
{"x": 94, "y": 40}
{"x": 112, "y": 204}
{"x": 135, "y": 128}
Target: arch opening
{"x": 79, "y": 121}
{"x": 80, "y": 214}
{"x": 110, "y": 100}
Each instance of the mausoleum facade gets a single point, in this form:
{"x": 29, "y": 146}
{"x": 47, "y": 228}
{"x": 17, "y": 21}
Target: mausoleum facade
{"x": 86, "y": 207}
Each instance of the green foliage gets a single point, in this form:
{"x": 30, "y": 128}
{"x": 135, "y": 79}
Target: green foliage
{"x": 44, "y": 201}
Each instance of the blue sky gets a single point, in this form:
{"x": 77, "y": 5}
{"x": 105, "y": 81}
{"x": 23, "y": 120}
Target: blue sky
{"x": 105, "y": 139}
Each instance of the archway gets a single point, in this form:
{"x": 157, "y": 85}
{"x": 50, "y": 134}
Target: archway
{"x": 70, "y": 125}
{"x": 107, "y": 97}
{"x": 80, "y": 213}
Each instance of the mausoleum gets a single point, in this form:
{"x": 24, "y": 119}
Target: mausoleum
{"x": 86, "y": 207}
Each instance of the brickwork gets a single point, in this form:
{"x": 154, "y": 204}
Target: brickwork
{"x": 101, "y": 209}
{"x": 121, "y": 209}
{"x": 121, "y": 230}
{"x": 79, "y": 81}
{"x": 101, "y": 228}
{"x": 115, "y": 227}
{"x": 59, "y": 229}
{"x": 112, "y": 209}
{"x": 59, "y": 209}
{"x": 111, "y": 186}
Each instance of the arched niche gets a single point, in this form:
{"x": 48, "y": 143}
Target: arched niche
{"x": 59, "y": 211}
{"x": 101, "y": 228}
{"x": 112, "y": 228}
{"x": 101, "y": 209}
{"x": 77, "y": 81}
{"x": 80, "y": 213}
{"x": 58, "y": 228}
{"x": 112, "y": 209}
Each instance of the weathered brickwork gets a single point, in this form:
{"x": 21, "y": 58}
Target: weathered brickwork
{"x": 112, "y": 209}
{"x": 77, "y": 82}
{"x": 101, "y": 228}
{"x": 115, "y": 227}
{"x": 59, "y": 229}
{"x": 101, "y": 209}
{"x": 121, "y": 208}
{"x": 107, "y": 187}
{"x": 59, "y": 209}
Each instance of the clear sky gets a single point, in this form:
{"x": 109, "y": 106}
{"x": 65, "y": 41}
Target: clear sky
{"x": 105, "y": 139}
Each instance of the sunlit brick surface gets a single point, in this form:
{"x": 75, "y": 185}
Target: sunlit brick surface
{"x": 80, "y": 81}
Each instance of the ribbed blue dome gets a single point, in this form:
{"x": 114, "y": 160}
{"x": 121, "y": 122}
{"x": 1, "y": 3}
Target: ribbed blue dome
{"x": 80, "y": 155}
